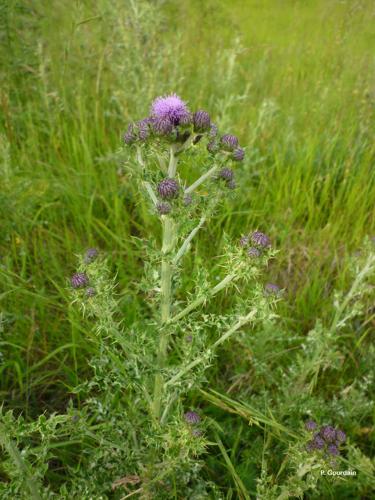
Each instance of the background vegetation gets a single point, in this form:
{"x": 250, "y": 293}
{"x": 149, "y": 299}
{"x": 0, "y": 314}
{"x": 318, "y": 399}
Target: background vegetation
{"x": 296, "y": 81}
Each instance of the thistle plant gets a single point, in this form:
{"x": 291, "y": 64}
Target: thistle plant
{"x": 138, "y": 421}
{"x": 172, "y": 128}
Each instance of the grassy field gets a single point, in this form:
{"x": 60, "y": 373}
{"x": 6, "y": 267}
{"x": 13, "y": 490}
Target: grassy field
{"x": 296, "y": 81}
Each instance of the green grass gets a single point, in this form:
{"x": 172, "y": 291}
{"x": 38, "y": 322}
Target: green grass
{"x": 295, "y": 79}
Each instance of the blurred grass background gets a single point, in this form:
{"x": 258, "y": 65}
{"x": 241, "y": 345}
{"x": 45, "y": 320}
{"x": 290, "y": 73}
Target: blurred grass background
{"x": 295, "y": 80}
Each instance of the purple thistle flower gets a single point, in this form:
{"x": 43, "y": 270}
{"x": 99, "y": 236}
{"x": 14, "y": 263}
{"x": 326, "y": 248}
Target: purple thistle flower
{"x": 230, "y": 142}
{"x": 231, "y": 184}
{"x": 90, "y": 255}
{"x": 260, "y": 239}
{"x": 212, "y": 147}
{"x": 163, "y": 208}
{"x": 272, "y": 289}
{"x": 168, "y": 188}
{"x": 129, "y": 136}
{"x": 79, "y": 280}
{"x": 310, "y": 425}
{"x": 253, "y": 252}
{"x": 340, "y": 436}
{"x": 186, "y": 120}
{"x": 191, "y": 417}
{"x": 244, "y": 241}
{"x": 328, "y": 433}
{"x": 90, "y": 291}
{"x": 143, "y": 127}
{"x": 318, "y": 442}
{"x": 170, "y": 107}
{"x": 162, "y": 126}
{"x": 238, "y": 154}
{"x": 188, "y": 200}
{"x": 333, "y": 450}
{"x": 226, "y": 173}
{"x": 201, "y": 120}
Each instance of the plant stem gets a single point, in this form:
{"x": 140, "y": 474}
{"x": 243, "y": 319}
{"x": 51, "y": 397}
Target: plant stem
{"x": 241, "y": 322}
{"x": 168, "y": 246}
{"x": 197, "y": 302}
{"x": 201, "y": 179}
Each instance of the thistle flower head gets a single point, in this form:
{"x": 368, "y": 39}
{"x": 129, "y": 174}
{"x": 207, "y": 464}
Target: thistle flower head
{"x": 162, "y": 126}
{"x": 328, "y": 433}
{"x": 171, "y": 108}
{"x": 231, "y": 184}
{"x": 340, "y": 436}
{"x": 260, "y": 239}
{"x": 202, "y": 121}
{"x": 186, "y": 119}
{"x": 90, "y": 291}
{"x": 253, "y": 252}
{"x": 310, "y": 425}
{"x": 318, "y": 442}
{"x": 143, "y": 127}
{"x": 79, "y": 280}
{"x": 130, "y": 136}
{"x": 191, "y": 417}
{"x": 163, "y": 207}
{"x": 168, "y": 189}
{"x": 333, "y": 450}
{"x": 238, "y": 154}
{"x": 90, "y": 255}
{"x": 272, "y": 289}
{"x": 229, "y": 142}
{"x": 226, "y": 173}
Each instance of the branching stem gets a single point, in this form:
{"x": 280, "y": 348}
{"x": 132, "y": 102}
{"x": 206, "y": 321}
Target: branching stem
{"x": 200, "y": 300}
{"x": 241, "y": 322}
{"x": 201, "y": 179}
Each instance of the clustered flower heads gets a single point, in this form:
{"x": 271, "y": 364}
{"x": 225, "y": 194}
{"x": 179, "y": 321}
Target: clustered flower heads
{"x": 81, "y": 280}
{"x": 255, "y": 243}
{"x": 171, "y": 122}
{"x": 327, "y": 440}
{"x": 170, "y": 118}
{"x": 193, "y": 419}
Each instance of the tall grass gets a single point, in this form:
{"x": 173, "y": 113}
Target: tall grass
{"x": 297, "y": 80}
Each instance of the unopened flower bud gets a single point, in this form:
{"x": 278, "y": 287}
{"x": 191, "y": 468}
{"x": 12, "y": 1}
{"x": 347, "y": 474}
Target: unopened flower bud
{"x": 163, "y": 208}
{"x": 202, "y": 121}
{"x": 191, "y": 417}
{"x": 90, "y": 255}
{"x": 260, "y": 239}
{"x": 238, "y": 154}
{"x": 90, "y": 291}
{"x": 253, "y": 252}
{"x": 168, "y": 188}
{"x": 79, "y": 280}
{"x": 226, "y": 173}
{"x": 229, "y": 142}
